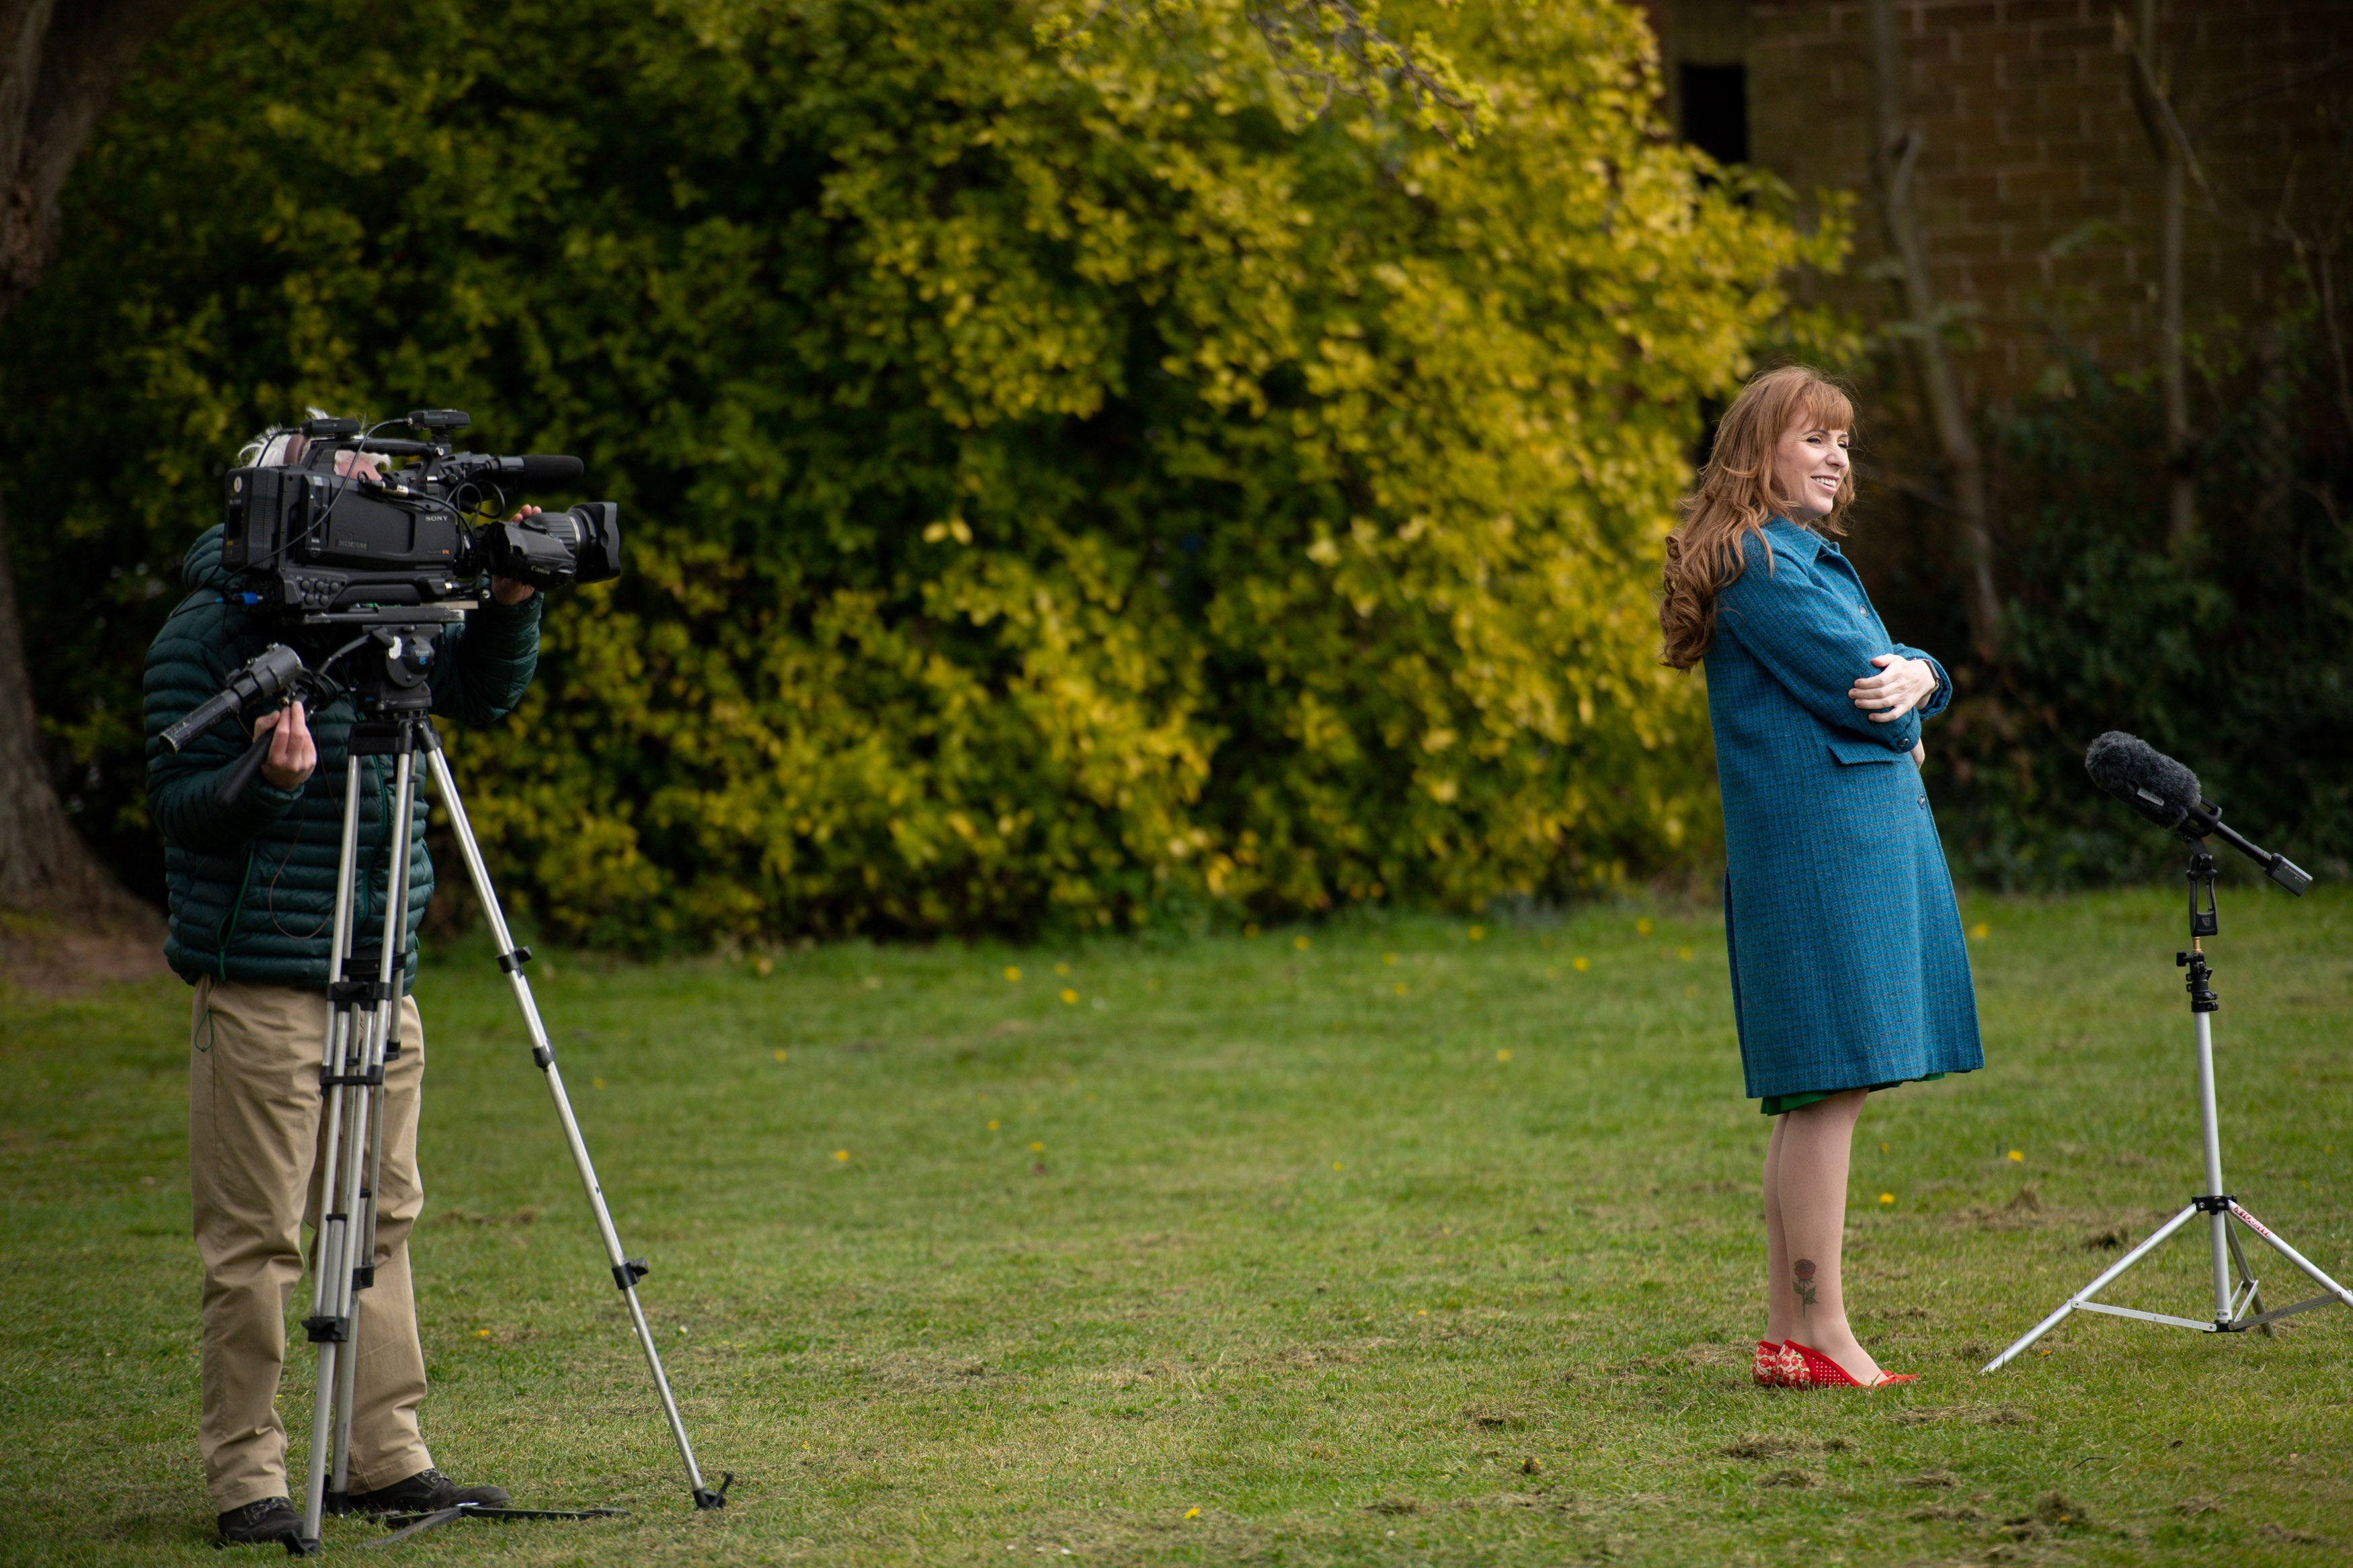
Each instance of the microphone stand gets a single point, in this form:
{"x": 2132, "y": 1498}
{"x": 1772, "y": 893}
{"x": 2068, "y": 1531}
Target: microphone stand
{"x": 2240, "y": 1307}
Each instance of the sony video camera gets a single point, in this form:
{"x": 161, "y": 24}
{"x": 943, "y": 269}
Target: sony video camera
{"x": 307, "y": 541}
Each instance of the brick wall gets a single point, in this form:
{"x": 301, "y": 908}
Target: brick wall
{"x": 2036, "y": 185}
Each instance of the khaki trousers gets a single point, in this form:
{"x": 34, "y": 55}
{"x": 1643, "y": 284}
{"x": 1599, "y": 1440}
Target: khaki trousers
{"x": 254, "y": 1139}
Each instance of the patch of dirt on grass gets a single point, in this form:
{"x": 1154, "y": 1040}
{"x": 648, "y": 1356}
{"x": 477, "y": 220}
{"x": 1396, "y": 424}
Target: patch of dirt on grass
{"x": 907, "y": 1372}
{"x": 2191, "y": 1507}
{"x": 2053, "y": 1511}
{"x": 1494, "y": 1417}
{"x": 1974, "y": 1414}
{"x": 1791, "y": 1478}
{"x": 51, "y": 958}
{"x": 1393, "y": 1505}
{"x": 1775, "y": 1444}
{"x": 1957, "y": 1514}
{"x": 1157, "y": 1375}
{"x": 1930, "y": 1480}
{"x": 2292, "y": 1537}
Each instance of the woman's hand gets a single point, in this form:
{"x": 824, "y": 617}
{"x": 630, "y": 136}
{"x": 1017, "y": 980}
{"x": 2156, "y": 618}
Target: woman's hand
{"x": 1919, "y": 753}
{"x": 1901, "y": 685}
{"x": 292, "y": 752}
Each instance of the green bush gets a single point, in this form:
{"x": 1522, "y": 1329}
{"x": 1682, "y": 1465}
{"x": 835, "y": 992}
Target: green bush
{"x": 1061, "y": 486}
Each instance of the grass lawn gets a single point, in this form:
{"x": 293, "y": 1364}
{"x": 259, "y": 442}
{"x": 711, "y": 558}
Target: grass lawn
{"x": 1387, "y": 1242}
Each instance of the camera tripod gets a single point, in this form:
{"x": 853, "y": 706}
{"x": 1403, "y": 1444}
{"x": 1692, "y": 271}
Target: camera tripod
{"x": 2237, "y": 1306}
{"x": 388, "y": 680}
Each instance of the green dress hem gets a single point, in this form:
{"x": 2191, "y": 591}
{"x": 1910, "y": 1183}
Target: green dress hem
{"x": 1775, "y": 1104}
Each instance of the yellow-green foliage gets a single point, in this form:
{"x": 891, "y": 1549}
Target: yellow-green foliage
{"x": 1066, "y": 478}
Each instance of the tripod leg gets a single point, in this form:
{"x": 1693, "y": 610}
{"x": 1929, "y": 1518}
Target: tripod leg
{"x": 2310, "y": 1269}
{"x": 2162, "y": 1235}
{"x": 627, "y": 1271}
{"x": 2219, "y": 1227}
{"x": 2255, "y": 1289}
{"x": 366, "y": 1157}
{"x": 337, "y": 1500}
{"x": 342, "y": 1021}
{"x": 367, "y": 1168}
{"x": 364, "y": 1145}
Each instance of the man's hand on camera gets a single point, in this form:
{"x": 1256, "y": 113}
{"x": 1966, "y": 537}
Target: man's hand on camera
{"x": 292, "y": 752}
{"x": 506, "y": 590}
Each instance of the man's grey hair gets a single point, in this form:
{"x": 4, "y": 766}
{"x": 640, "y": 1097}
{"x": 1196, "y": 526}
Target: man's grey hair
{"x": 279, "y": 447}
{"x": 283, "y": 446}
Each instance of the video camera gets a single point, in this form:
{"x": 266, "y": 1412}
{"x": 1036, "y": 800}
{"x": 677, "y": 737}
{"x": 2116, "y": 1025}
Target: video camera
{"x": 305, "y": 540}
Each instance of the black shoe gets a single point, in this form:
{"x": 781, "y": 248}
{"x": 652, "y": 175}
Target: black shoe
{"x": 271, "y": 1522}
{"x": 425, "y": 1492}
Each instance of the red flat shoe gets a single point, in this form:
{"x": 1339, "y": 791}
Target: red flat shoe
{"x": 1767, "y": 1368}
{"x": 1823, "y": 1372}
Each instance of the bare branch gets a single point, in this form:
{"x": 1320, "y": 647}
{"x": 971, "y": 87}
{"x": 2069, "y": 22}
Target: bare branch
{"x": 1895, "y": 157}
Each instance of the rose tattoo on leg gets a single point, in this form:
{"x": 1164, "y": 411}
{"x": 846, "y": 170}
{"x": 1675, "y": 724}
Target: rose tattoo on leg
{"x": 1803, "y": 1285}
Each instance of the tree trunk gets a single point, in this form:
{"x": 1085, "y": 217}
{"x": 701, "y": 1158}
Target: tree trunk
{"x": 2180, "y": 446}
{"x": 59, "y": 67}
{"x": 2171, "y": 149}
{"x": 1894, "y": 155}
{"x": 44, "y": 864}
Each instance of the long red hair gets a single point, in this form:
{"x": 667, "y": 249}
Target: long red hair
{"x": 1734, "y": 498}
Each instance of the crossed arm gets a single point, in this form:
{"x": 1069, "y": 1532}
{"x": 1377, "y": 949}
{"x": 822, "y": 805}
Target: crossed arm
{"x": 1901, "y": 685}
{"x": 1829, "y": 657}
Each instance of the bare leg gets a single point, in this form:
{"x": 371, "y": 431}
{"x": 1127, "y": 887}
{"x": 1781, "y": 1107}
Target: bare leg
{"x": 1814, "y": 1143}
{"x": 1781, "y": 1307}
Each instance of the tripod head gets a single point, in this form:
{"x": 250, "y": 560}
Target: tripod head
{"x": 386, "y": 670}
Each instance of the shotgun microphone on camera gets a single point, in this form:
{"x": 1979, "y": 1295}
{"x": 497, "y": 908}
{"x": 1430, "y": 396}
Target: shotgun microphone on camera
{"x": 2166, "y": 792}
{"x": 540, "y": 470}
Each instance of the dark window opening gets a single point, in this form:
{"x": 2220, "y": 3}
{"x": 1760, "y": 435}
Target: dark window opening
{"x": 1715, "y": 101}
{"x": 1711, "y": 415}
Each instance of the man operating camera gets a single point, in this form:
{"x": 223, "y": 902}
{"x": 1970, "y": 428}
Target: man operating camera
{"x": 252, "y": 885}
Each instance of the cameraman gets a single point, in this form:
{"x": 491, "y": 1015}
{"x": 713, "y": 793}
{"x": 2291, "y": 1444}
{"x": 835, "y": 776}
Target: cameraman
{"x": 252, "y": 889}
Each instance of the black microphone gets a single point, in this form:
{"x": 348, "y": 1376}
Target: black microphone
{"x": 2143, "y": 778}
{"x": 2166, "y": 792}
{"x": 540, "y": 470}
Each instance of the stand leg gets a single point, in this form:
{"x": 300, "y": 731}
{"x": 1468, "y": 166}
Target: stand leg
{"x": 326, "y": 1247}
{"x": 2162, "y": 1235}
{"x": 2310, "y": 1269}
{"x": 361, "y": 1147}
{"x": 368, "y": 1115}
{"x": 2218, "y": 1237}
{"x": 627, "y": 1271}
{"x": 2254, "y": 1288}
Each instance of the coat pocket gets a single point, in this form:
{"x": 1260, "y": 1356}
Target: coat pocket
{"x": 1851, "y": 751}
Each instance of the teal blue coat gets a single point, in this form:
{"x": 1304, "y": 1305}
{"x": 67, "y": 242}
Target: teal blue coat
{"x": 252, "y": 885}
{"x": 1849, "y": 967}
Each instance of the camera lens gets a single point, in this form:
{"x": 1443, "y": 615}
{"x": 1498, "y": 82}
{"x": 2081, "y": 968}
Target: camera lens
{"x": 592, "y": 531}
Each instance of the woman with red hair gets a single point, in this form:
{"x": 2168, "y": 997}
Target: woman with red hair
{"x": 1848, "y": 971}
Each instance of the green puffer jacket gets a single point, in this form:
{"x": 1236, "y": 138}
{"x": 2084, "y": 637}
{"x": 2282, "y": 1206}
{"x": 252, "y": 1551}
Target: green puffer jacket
{"x": 253, "y": 885}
